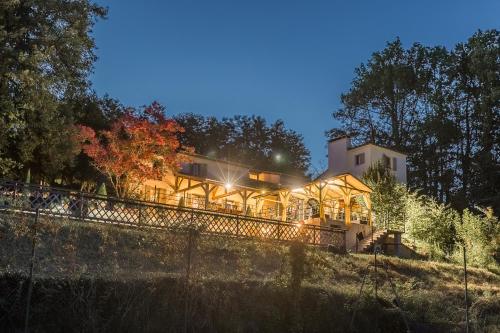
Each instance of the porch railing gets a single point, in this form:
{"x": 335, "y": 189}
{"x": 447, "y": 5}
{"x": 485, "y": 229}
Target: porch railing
{"x": 87, "y": 207}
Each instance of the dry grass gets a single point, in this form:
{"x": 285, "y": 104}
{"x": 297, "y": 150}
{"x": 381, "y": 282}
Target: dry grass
{"x": 431, "y": 292}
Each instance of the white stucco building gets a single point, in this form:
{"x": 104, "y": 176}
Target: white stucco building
{"x": 345, "y": 158}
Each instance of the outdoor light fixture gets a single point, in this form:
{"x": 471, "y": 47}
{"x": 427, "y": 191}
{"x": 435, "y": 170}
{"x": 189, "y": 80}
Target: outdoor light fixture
{"x": 228, "y": 186}
{"x": 278, "y": 157}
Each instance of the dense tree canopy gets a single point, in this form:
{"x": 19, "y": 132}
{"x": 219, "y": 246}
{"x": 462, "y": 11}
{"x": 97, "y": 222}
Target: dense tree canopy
{"x": 46, "y": 54}
{"x": 250, "y": 140}
{"x": 140, "y": 144}
{"x": 441, "y": 107}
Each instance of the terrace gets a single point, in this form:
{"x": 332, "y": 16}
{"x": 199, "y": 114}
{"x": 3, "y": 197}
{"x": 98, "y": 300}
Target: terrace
{"x": 35, "y": 200}
{"x": 231, "y": 188}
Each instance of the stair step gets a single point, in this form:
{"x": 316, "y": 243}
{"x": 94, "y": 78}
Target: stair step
{"x": 371, "y": 239}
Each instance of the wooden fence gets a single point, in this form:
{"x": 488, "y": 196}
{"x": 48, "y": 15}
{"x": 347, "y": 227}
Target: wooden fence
{"x": 87, "y": 207}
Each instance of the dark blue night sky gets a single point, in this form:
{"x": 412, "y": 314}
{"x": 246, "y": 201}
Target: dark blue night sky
{"x": 277, "y": 59}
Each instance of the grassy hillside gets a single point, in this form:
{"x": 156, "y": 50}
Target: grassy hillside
{"x": 91, "y": 277}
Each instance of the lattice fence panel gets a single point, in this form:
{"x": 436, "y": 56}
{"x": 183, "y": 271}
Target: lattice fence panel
{"x": 88, "y": 207}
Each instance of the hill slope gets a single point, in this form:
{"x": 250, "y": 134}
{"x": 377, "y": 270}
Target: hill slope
{"x": 91, "y": 277}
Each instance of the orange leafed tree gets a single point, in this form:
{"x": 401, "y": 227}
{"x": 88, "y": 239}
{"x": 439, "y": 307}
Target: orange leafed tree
{"x": 140, "y": 145}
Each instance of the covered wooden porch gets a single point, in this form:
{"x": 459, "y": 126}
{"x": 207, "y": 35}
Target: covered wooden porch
{"x": 334, "y": 200}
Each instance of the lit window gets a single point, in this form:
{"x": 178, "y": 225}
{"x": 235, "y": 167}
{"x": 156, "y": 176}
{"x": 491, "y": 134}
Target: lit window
{"x": 359, "y": 159}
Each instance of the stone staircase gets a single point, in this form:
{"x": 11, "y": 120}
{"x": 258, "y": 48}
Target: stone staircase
{"x": 367, "y": 243}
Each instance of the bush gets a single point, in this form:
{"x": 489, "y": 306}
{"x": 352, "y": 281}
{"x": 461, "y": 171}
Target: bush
{"x": 431, "y": 225}
{"x": 388, "y": 197}
{"x": 436, "y": 229}
{"x": 481, "y": 238}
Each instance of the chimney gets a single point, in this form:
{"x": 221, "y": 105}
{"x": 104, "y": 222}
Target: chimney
{"x": 337, "y": 154}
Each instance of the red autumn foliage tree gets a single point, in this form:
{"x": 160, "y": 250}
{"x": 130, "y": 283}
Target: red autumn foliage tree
{"x": 140, "y": 145}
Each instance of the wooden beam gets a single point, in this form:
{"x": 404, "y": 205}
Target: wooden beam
{"x": 227, "y": 194}
{"x": 284, "y": 197}
{"x": 190, "y": 187}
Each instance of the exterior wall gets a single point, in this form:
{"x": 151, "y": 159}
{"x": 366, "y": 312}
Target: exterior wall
{"x": 228, "y": 172}
{"x": 378, "y": 152}
{"x": 217, "y": 170}
{"x": 358, "y": 170}
{"x": 351, "y": 234}
{"x": 337, "y": 155}
{"x": 269, "y": 177}
{"x": 341, "y": 158}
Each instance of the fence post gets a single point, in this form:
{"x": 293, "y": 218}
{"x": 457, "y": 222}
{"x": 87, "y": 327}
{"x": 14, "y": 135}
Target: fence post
{"x": 279, "y": 236}
{"x": 32, "y": 267}
{"x": 81, "y": 206}
{"x": 237, "y": 225}
{"x": 192, "y": 217}
{"x": 314, "y": 236}
{"x": 191, "y": 235}
{"x": 140, "y": 215}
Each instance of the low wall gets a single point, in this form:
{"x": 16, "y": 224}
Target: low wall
{"x": 355, "y": 228}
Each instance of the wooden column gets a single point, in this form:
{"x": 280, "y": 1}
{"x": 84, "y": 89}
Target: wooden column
{"x": 284, "y": 199}
{"x": 206, "y": 189}
{"x": 321, "y": 196}
{"x": 258, "y": 207}
{"x": 245, "y": 198}
{"x": 347, "y": 208}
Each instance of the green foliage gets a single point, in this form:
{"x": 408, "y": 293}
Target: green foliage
{"x": 436, "y": 229}
{"x": 441, "y": 232}
{"x": 46, "y": 54}
{"x": 388, "y": 197}
{"x": 102, "y": 190}
{"x": 430, "y": 225}
{"x": 246, "y": 139}
{"x": 439, "y": 106}
{"x": 8, "y": 167}
{"x": 481, "y": 237}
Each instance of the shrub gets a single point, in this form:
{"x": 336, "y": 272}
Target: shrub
{"x": 431, "y": 225}
{"x": 481, "y": 237}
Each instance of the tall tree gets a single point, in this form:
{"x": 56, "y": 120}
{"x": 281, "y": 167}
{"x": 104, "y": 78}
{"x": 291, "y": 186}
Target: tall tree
{"x": 46, "y": 54}
{"x": 439, "y": 106}
{"x": 381, "y": 105}
{"x": 98, "y": 113}
{"x": 249, "y": 139}
{"x": 475, "y": 98}
{"x": 139, "y": 145}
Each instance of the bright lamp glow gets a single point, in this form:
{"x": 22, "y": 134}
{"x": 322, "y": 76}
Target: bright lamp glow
{"x": 228, "y": 186}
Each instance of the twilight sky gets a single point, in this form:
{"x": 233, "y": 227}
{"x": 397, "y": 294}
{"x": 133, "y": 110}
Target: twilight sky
{"x": 278, "y": 59}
